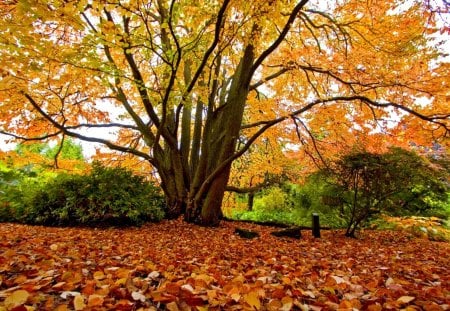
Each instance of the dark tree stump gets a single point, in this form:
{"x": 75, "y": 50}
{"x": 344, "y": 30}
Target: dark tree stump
{"x": 315, "y": 225}
{"x": 246, "y": 234}
{"x": 293, "y": 232}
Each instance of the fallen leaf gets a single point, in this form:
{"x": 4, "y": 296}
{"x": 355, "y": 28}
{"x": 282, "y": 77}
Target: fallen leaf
{"x": 274, "y": 305}
{"x": 99, "y": 275}
{"x": 138, "y": 296}
{"x": 389, "y": 281}
{"x": 172, "y": 306}
{"x": 187, "y": 287}
{"x": 287, "y": 303}
{"x": 78, "y": 302}
{"x": 17, "y": 298}
{"x": 95, "y": 300}
{"x": 338, "y": 279}
{"x": 153, "y": 275}
{"x": 253, "y": 300}
{"x": 405, "y": 299}
{"x": 374, "y": 307}
{"x": 235, "y": 296}
{"x": 66, "y": 294}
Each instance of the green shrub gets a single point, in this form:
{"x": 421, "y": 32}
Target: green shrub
{"x": 16, "y": 186}
{"x": 398, "y": 182}
{"x": 296, "y": 217}
{"x": 292, "y": 204}
{"x": 106, "y": 196}
{"x": 273, "y": 199}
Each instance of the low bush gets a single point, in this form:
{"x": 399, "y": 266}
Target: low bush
{"x": 16, "y": 187}
{"x": 289, "y": 217}
{"x": 431, "y": 228}
{"x": 105, "y": 196}
{"x": 264, "y": 216}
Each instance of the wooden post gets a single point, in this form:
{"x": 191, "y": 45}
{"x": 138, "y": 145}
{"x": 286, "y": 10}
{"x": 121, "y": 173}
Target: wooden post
{"x": 315, "y": 225}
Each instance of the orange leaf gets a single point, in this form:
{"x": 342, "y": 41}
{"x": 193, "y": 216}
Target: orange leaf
{"x": 95, "y": 300}
{"x": 78, "y": 302}
{"x": 274, "y": 305}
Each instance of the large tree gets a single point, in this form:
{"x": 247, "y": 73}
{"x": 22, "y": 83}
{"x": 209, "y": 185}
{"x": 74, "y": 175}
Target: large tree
{"x": 181, "y": 81}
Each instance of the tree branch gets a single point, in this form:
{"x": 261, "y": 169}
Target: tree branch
{"x": 30, "y": 138}
{"x": 270, "y": 77}
{"x": 281, "y": 37}
{"x": 218, "y": 28}
{"x": 105, "y": 142}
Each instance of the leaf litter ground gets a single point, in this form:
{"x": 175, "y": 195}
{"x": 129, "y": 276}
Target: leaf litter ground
{"x": 178, "y": 266}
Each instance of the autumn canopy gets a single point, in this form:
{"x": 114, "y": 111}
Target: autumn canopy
{"x": 191, "y": 86}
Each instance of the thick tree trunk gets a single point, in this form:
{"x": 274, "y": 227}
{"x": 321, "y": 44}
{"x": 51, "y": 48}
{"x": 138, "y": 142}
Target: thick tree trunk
{"x": 175, "y": 200}
{"x": 219, "y": 144}
{"x": 207, "y": 211}
{"x": 173, "y": 181}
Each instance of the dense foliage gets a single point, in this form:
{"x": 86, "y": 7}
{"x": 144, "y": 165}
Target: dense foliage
{"x": 192, "y": 86}
{"x": 16, "y": 187}
{"x": 396, "y": 182}
{"x": 105, "y": 196}
{"x": 357, "y": 188}
{"x": 290, "y": 204}
{"x": 67, "y": 149}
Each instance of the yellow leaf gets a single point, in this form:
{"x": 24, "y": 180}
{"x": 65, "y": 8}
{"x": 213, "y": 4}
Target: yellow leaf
{"x": 121, "y": 281}
{"x": 78, "y": 302}
{"x": 172, "y": 306}
{"x": 99, "y": 275}
{"x": 235, "y": 297}
{"x": 17, "y": 298}
{"x": 239, "y": 278}
{"x": 204, "y": 277}
{"x": 405, "y": 299}
{"x": 211, "y": 293}
{"x": 253, "y": 300}
{"x": 122, "y": 273}
{"x": 287, "y": 303}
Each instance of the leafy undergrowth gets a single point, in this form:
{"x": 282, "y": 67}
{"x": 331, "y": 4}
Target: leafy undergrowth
{"x": 427, "y": 227}
{"x": 177, "y": 266}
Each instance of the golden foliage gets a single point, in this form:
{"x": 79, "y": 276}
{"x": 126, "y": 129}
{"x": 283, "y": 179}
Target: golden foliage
{"x": 346, "y": 73}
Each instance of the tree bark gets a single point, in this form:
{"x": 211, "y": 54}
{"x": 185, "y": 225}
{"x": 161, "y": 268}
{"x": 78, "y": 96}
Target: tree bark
{"x": 219, "y": 143}
{"x": 251, "y": 199}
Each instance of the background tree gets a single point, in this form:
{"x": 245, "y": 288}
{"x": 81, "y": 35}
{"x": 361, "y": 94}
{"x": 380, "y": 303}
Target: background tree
{"x": 266, "y": 164}
{"x": 366, "y": 184}
{"x": 66, "y": 149}
{"x": 179, "y": 82}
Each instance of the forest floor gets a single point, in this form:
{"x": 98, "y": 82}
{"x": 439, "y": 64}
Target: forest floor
{"x": 173, "y": 265}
